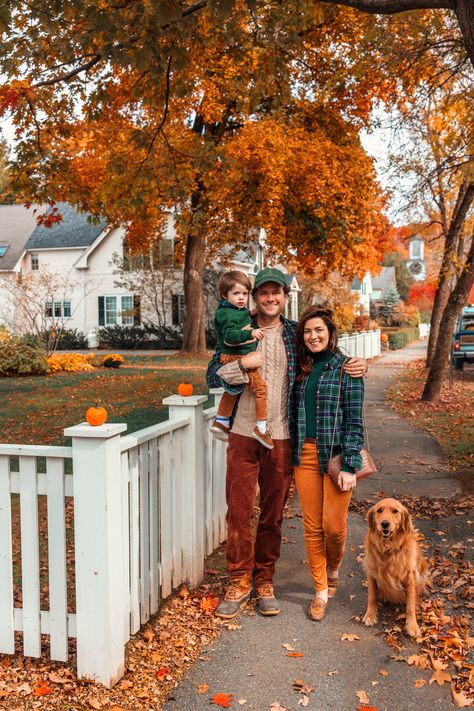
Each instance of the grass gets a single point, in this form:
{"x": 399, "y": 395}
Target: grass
{"x": 35, "y": 410}
{"x": 450, "y": 420}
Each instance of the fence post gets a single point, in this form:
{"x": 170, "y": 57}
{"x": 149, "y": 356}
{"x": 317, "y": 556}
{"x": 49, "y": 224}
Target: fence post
{"x": 98, "y": 537}
{"x": 193, "y": 479}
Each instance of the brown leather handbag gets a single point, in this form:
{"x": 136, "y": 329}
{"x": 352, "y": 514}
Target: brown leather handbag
{"x": 335, "y": 462}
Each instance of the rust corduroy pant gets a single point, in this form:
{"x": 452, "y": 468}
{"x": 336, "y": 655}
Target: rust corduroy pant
{"x": 256, "y": 384}
{"x": 324, "y": 516}
{"x": 249, "y": 463}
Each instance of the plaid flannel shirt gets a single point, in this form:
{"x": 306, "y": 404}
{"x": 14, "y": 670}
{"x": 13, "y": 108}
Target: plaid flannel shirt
{"x": 349, "y": 434}
{"x": 289, "y": 339}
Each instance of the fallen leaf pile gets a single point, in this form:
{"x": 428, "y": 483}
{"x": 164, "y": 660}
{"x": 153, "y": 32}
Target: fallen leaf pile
{"x": 155, "y": 662}
{"x": 449, "y": 420}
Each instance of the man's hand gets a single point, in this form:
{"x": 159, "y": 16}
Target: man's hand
{"x": 346, "y": 481}
{"x": 258, "y": 333}
{"x": 356, "y": 367}
{"x": 252, "y": 360}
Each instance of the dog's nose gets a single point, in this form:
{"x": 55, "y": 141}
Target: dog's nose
{"x": 385, "y": 524}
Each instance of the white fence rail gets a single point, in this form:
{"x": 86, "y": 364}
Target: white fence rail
{"x": 365, "y": 344}
{"x": 127, "y": 519}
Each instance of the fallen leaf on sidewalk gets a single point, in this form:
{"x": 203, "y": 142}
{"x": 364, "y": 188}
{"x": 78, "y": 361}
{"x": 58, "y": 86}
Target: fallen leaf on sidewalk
{"x": 420, "y": 661}
{"x": 383, "y": 672}
{"x": 223, "y": 700}
{"x": 288, "y": 647}
{"x": 43, "y": 689}
{"x": 419, "y": 683}
{"x": 349, "y": 637}
{"x": 161, "y": 673}
{"x": 367, "y": 708}
{"x": 241, "y": 702}
{"x": 304, "y": 701}
{"x": 209, "y": 603}
{"x": 362, "y": 696}
{"x": 295, "y": 654}
{"x": 440, "y": 677}
{"x": 301, "y": 687}
{"x": 461, "y": 700}
{"x": 202, "y": 688}
{"x": 276, "y": 706}
{"x": 233, "y": 626}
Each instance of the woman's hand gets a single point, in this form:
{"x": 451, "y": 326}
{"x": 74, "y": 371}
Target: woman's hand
{"x": 356, "y": 367}
{"x": 346, "y": 481}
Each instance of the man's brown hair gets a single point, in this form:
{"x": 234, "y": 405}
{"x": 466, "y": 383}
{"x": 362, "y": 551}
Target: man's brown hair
{"x": 230, "y": 279}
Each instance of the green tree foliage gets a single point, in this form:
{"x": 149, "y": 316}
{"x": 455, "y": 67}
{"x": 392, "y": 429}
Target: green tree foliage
{"x": 402, "y": 273}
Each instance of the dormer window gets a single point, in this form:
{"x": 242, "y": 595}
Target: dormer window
{"x": 416, "y": 249}
{"x": 3, "y": 249}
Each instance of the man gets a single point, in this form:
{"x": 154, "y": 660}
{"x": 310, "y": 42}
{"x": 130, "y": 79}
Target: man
{"x": 248, "y": 462}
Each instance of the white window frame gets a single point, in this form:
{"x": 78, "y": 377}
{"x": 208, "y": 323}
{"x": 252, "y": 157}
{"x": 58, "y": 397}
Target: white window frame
{"x": 120, "y": 320}
{"x": 34, "y": 261}
{"x": 58, "y": 309}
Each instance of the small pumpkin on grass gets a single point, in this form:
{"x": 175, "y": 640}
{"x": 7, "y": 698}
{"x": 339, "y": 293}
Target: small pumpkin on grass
{"x": 185, "y": 389}
{"x": 96, "y": 415}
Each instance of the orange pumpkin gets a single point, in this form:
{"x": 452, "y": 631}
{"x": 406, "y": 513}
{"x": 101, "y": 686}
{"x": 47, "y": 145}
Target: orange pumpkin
{"x": 96, "y": 415}
{"x": 185, "y": 389}
{"x": 384, "y": 338}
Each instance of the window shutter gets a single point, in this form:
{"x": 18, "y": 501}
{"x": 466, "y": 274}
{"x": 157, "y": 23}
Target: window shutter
{"x": 175, "y": 309}
{"x": 136, "y": 311}
{"x": 101, "y": 311}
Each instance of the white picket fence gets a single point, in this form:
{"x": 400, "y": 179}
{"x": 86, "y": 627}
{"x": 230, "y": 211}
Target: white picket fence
{"x": 148, "y": 508}
{"x": 364, "y": 344}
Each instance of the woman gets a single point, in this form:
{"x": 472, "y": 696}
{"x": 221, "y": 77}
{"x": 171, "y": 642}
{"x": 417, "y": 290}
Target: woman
{"x": 315, "y": 403}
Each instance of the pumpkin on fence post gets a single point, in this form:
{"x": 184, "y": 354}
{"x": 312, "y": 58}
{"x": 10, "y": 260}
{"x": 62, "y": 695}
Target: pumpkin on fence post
{"x": 96, "y": 415}
{"x": 185, "y": 389}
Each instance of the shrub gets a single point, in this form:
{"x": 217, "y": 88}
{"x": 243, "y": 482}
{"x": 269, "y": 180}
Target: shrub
{"x": 113, "y": 360}
{"x": 19, "y": 357}
{"x": 70, "y": 362}
{"x": 71, "y": 339}
{"x": 164, "y": 337}
{"x": 400, "y": 337}
{"x": 122, "y": 337}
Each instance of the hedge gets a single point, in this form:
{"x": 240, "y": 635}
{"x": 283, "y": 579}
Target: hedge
{"x": 19, "y": 357}
{"x": 400, "y": 337}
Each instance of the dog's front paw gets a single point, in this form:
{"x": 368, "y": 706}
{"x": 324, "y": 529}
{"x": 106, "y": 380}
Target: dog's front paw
{"x": 413, "y": 629}
{"x": 370, "y": 618}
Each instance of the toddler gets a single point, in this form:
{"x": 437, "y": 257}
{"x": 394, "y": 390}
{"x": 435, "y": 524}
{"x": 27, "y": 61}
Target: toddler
{"x": 235, "y": 338}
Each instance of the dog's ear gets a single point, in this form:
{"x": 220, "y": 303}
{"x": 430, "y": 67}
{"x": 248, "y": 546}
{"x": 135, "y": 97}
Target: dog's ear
{"x": 406, "y": 524}
{"x": 371, "y": 519}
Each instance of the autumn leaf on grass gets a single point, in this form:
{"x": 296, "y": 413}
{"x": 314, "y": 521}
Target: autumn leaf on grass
{"x": 419, "y": 683}
{"x": 209, "y": 603}
{"x": 349, "y": 637}
{"x": 223, "y": 700}
{"x": 161, "y": 673}
{"x": 43, "y": 689}
{"x": 362, "y": 696}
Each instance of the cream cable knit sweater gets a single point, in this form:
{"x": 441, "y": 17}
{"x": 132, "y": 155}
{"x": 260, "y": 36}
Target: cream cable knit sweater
{"x": 275, "y": 373}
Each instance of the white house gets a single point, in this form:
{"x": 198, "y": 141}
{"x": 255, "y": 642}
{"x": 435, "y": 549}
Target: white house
{"x": 381, "y": 283}
{"x": 416, "y": 258}
{"x": 363, "y": 288}
{"x": 81, "y": 251}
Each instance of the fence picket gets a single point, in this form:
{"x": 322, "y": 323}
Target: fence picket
{"x": 154, "y": 528}
{"x": 57, "y": 559}
{"x": 134, "y": 503}
{"x": 7, "y": 627}
{"x": 30, "y": 570}
{"x": 144, "y": 533}
{"x": 126, "y": 543}
{"x": 166, "y": 463}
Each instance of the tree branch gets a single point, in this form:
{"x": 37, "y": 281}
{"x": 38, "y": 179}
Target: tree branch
{"x": 64, "y": 77}
{"x": 392, "y": 7}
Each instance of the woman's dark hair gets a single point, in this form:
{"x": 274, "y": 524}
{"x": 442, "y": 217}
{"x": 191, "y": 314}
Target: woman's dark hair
{"x": 305, "y": 357}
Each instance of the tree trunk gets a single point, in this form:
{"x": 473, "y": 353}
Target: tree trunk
{"x": 451, "y": 244}
{"x": 194, "y": 332}
{"x": 456, "y": 303}
{"x": 465, "y": 14}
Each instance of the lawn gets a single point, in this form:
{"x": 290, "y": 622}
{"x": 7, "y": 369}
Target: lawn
{"x": 450, "y": 420}
{"x": 35, "y": 410}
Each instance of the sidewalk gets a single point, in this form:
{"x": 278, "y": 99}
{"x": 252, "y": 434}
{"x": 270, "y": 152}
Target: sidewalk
{"x": 249, "y": 661}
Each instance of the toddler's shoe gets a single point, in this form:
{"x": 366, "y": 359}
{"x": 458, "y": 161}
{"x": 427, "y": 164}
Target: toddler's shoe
{"x": 220, "y": 431}
{"x": 264, "y": 439}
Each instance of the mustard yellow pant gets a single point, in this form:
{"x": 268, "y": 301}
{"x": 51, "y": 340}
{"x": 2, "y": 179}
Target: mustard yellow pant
{"x": 324, "y": 516}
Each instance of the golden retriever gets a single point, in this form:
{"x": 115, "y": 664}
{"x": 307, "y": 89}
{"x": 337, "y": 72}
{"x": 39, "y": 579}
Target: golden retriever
{"x": 395, "y": 567}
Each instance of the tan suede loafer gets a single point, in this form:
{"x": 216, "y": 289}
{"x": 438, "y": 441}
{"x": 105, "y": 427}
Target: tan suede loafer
{"x": 317, "y": 609}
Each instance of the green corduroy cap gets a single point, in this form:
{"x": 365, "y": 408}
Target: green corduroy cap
{"x": 270, "y": 274}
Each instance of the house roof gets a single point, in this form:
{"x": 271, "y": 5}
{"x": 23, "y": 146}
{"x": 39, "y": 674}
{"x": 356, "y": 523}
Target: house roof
{"x": 384, "y": 280}
{"x": 74, "y": 230}
{"x": 16, "y": 225}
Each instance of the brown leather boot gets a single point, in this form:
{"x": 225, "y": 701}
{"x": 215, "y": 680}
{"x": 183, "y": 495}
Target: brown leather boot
{"x": 237, "y": 593}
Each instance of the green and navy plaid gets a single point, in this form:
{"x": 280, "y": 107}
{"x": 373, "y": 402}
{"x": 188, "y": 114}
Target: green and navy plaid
{"x": 349, "y": 435}
{"x": 289, "y": 339}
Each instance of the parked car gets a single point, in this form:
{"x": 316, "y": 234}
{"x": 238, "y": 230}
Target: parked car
{"x": 463, "y": 342}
